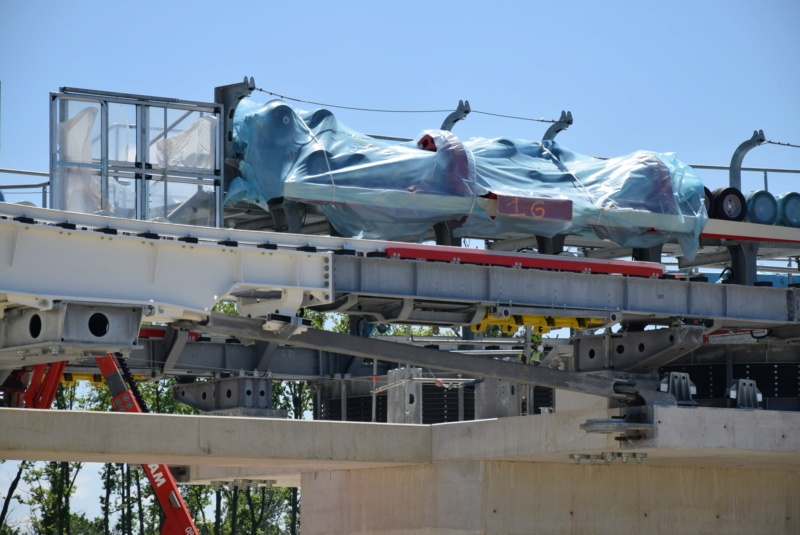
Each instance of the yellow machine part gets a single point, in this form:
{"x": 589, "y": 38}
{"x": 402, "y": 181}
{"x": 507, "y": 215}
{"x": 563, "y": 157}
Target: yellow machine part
{"x": 95, "y": 379}
{"x": 540, "y": 324}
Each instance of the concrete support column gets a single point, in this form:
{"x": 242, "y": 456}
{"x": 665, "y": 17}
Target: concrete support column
{"x": 498, "y": 497}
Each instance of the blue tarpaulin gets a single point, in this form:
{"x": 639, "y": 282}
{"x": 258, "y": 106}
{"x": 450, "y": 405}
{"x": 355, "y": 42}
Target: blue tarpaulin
{"x": 497, "y": 188}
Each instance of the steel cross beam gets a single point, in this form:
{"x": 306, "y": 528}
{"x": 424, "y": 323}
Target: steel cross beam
{"x": 419, "y": 356}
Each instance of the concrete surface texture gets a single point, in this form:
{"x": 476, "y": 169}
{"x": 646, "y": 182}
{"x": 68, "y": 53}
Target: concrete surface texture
{"x": 510, "y": 498}
{"x": 707, "y": 470}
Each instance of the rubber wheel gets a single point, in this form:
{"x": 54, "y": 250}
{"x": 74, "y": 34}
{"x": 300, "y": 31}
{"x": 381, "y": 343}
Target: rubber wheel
{"x": 709, "y": 203}
{"x": 729, "y": 204}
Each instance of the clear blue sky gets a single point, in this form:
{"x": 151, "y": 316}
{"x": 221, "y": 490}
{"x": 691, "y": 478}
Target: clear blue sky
{"x": 690, "y": 77}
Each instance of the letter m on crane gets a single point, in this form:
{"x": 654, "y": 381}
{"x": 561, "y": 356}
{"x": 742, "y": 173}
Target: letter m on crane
{"x": 156, "y": 474}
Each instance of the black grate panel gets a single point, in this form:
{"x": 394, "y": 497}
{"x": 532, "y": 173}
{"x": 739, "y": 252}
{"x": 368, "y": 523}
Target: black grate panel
{"x": 440, "y": 405}
{"x": 359, "y": 409}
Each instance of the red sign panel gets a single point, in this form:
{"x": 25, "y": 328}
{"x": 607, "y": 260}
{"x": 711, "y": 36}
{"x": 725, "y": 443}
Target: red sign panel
{"x": 535, "y": 208}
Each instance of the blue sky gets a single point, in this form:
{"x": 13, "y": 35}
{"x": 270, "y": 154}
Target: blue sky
{"x": 694, "y": 78}
{"x": 691, "y": 77}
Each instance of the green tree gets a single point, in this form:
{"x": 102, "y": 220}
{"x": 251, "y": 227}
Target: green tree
{"x": 10, "y": 496}
{"x": 52, "y": 484}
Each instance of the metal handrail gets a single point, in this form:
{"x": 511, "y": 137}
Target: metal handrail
{"x": 42, "y": 185}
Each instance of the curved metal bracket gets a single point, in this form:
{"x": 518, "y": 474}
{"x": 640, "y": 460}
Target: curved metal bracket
{"x": 230, "y": 96}
{"x": 461, "y": 113}
{"x": 563, "y": 123}
{"x": 738, "y": 156}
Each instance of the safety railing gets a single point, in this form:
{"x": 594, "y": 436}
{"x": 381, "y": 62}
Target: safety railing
{"x": 9, "y": 191}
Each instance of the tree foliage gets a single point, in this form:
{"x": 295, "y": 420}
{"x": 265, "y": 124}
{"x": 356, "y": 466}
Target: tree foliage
{"x": 127, "y": 502}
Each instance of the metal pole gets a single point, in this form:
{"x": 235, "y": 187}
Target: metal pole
{"x": 528, "y": 333}
{"x": 344, "y": 400}
{"x": 318, "y": 402}
{"x": 374, "y": 390}
{"x": 460, "y": 403}
{"x": 528, "y": 400}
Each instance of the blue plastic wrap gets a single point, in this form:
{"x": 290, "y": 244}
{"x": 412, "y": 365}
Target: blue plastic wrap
{"x": 387, "y": 190}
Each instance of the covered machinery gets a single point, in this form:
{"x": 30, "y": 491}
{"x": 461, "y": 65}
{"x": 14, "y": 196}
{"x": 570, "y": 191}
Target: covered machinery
{"x": 498, "y": 188}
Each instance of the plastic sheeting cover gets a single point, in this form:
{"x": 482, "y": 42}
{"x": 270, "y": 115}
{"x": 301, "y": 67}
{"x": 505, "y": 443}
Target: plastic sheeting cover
{"x": 387, "y": 190}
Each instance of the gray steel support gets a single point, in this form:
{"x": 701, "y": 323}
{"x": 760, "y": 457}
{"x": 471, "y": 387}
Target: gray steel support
{"x": 246, "y": 396}
{"x": 744, "y": 257}
{"x": 563, "y": 123}
{"x": 379, "y": 285}
{"x": 745, "y": 393}
{"x": 460, "y": 403}
{"x": 424, "y": 357}
{"x": 343, "y": 398}
{"x": 288, "y": 216}
{"x": 404, "y": 401}
{"x": 69, "y": 330}
{"x": 176, "y": 346}
{"x": 459, "y": 114}
{"x": 495, "y": 398}
{"x": 679, "y": 385}
{"x": 648, "y": 254}
{"x": 230, "y": 96}
{"x": 738, "y": 156}
{"x": 554, "y": 245}
{"x": 639, "y": 352}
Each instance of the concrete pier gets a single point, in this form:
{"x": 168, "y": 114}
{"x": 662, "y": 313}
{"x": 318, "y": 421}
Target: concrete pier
{"x": 706, "y": 471}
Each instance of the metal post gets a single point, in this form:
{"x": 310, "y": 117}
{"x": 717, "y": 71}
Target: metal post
{"x": 344, "y": 400}
{"x": 528, "y": 344}
{"x": 374, "y": 390}
{"x": 460, "y": 403}
{"x": 104, "y": 178}
{"x": 728, "y": 375}
{"x": 318, "y": 402}
{"x": 528, "y": 400}
{"x": 743, "y": 262}
{"x": 738, "y": 156}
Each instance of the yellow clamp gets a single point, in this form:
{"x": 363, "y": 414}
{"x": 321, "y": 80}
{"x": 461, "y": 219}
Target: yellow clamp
{"x": 540, "y": 324}
{"x": 95, "y": 379}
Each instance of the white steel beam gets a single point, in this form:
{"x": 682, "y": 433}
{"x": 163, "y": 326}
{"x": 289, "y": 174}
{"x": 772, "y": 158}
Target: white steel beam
{"x": 170, "y": 279}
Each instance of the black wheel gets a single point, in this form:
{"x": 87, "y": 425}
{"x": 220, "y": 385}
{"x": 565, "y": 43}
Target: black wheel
{"x": 729, "y": 204}
{"x": 709, "y": 203}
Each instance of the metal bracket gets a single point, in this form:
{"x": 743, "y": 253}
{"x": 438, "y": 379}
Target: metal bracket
{"x": 744, "y": 257}
{"x": 554, "y": 245}
{"x": 632, "y": 426}
{"x": 738, "y": 156}
{"x": 679, "y": 385}
{"x": 641, "y": 351}
{"x": 461, "y": 113}
{"x": 232, "y": 396}
{"x": 563, "y": 123}
{"x": 745, "y": 393}
{"x": 288, "y": 216}
{"x": 68, "y": 328}
{"x": 230, "y": 96}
